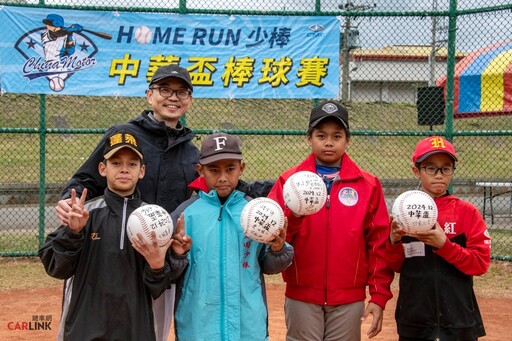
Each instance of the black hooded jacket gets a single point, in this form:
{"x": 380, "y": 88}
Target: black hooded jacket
{"x": 169, "y": 155}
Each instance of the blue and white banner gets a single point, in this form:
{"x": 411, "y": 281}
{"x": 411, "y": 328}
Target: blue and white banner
{"x": 57, "y": 51}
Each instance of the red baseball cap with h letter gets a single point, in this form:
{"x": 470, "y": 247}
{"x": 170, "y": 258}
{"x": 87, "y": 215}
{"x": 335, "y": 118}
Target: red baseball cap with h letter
{"x": 432, "y": 145}
{"x": 219, "y": 146}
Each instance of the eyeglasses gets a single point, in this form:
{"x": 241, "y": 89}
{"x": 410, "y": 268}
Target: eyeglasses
{"x": 168, "y": 92}
{"x": 432, "y": 170}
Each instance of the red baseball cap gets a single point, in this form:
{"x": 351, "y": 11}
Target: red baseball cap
{"x": 432, "y": 145}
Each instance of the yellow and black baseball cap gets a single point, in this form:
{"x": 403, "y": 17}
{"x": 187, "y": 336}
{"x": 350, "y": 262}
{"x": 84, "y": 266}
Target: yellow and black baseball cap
{"x": 120, "y": 140}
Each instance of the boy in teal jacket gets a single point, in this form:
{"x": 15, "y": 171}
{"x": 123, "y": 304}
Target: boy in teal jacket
{"x": 221, "y": 296}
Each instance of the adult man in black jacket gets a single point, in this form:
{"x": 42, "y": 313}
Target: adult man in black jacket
{"x": 170, "y": 155}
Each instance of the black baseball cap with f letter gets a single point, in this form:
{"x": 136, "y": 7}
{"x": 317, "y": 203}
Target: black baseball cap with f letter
{"x": 219, "y": 146}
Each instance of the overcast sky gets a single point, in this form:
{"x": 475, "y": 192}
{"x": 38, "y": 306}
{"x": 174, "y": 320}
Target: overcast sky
{"x": 473, "y": 32}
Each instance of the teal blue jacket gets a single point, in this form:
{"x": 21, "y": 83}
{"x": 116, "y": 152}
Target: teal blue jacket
{"x": 221, "y": 296}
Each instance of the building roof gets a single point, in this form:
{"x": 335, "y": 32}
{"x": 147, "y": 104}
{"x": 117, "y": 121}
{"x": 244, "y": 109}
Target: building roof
{"x": 401, "y": 52}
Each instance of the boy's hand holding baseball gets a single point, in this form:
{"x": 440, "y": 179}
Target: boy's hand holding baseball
{"x": 152, "y": 252}
{"x": 434, "y": 237}
{"x": 277, "y": 243}
{"x": 396, "y": 232}
{"x": 181, "y": 243}
{"x": 77, "y": 216}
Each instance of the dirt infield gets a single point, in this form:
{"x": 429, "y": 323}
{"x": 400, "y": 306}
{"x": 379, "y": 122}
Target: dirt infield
{"x": 24, "y": 311}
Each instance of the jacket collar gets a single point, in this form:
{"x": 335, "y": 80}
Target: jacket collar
{"x": 349, "y": 169}
{"x": 159, "y": 127}
{"x": 116, "y": 201}
{"x": 199, "y": 184}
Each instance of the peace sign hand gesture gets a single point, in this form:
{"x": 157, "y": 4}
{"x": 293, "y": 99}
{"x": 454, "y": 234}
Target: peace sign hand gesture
{"x": 181, "y": 243}
{"x": 77, "y": 215}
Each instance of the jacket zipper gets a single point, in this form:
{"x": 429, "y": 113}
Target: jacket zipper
{"x": 123, "y": 224}
{"x": 222, "y": 274}
{"x": 327, "y": 206}
{"x": 438, "y": 312}
{"x": 220, "y": 212}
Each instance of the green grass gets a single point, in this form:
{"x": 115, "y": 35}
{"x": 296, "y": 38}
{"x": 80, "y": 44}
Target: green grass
{"x": 24, "y": 273}
{"x": 28, "y": 272}
{"x": 19, "y": 243}
{"x": 497, "y": 282}
{"x": 501, "y": 242}
{"x": 388, "y": 156}
{"x": 23, "y": 241}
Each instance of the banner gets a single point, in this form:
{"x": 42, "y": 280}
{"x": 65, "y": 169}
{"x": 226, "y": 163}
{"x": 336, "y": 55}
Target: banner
{"x": 91, "y": 53}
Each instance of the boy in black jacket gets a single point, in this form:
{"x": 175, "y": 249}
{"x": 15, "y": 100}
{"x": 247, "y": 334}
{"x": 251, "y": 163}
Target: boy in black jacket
{"x": 109, "y": 280}
{"x": 436, "y": 300}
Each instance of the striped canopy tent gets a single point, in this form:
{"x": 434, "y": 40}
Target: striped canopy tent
{"x": 483, "y": 82}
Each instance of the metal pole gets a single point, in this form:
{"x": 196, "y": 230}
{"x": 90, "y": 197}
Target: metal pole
{"x": 345, "y": 63}
{"x": 432, "y": 56}
{"x": 450, "y": 73}
{"x": 345, "y": 53}
{"x": 450, "y": 69}
{"x": 42, "y": 167}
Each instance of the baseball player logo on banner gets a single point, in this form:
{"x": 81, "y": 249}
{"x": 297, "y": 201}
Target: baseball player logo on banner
{"x": 51, "y": 51}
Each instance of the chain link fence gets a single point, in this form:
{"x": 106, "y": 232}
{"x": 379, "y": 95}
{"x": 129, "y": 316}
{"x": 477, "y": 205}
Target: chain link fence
{"x": 404, "y": 74}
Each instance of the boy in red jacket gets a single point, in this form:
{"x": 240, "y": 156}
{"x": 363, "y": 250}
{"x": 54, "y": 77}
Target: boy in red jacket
{"x": 436, "y": 299}
{"x": 340, "y": 250}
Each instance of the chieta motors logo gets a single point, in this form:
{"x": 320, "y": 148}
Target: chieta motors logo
{"x": 57, "y": 51}
{"x": 39, "y": 322}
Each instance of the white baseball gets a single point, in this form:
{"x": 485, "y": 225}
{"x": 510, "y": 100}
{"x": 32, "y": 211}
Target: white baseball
{"x": 149, "y": 218}
{"x": 304, "y": 193}
{"x": 261, "y": 219}
{"x": 415, "y": 211}
{"x": 143, "y": 35}
{"x": 56, "y": 84}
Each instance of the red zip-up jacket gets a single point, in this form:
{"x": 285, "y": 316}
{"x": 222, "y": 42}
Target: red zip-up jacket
{"x": 340, "y": 249}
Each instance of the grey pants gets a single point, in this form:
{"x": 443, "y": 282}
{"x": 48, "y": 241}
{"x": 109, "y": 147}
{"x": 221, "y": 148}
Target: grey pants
{"x": 313, "y": 322}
